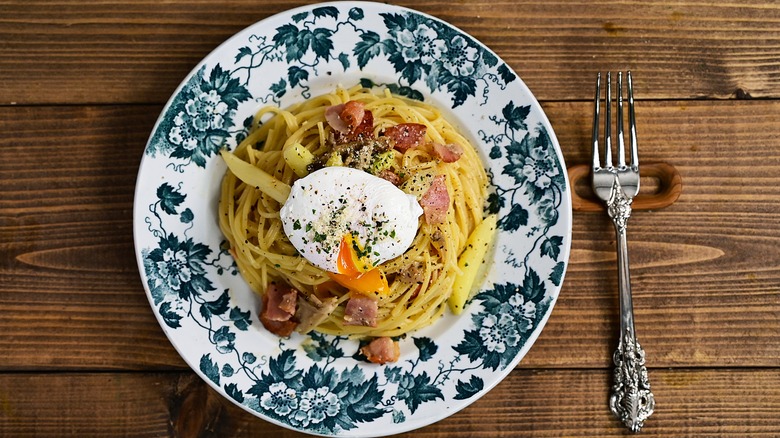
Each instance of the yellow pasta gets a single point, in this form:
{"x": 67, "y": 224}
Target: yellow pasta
{"x": 421, "y": 280}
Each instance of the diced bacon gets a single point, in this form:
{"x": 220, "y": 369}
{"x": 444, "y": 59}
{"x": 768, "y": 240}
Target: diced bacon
{"x": 436, "y": 201}
{"x": 406, "y": 135}
{"x": 279, "y": 328}
{"x": 289, "y": 301}
{"x": 364, "y": 130}
{"x": 382, "y": 350}
{"x": 333, "y": 116}
{"x": 449, "y": 153}
{"x": 349, "y": 118}
{"x": 271, "y": 315}
{"x": 391, "y": 176}
{"x": 361, "y": 310}
{"x": 352, "y": 113}
{"x": 280, "y": 302}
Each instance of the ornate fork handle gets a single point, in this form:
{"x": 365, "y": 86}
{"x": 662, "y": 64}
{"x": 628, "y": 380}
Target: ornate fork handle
{"x": 631, "y": 400}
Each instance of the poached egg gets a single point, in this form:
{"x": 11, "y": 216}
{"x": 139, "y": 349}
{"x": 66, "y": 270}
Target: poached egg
{"x": 347, "y": 222}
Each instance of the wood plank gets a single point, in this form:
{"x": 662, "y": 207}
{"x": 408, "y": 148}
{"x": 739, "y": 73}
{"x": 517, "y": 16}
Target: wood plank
{"x": 720, "y": 239}
{"x": 690, "y": 402}
{"x": 67, "y": 176}
{"x": 105, "y": 52}
{"x": 71, "y": 293}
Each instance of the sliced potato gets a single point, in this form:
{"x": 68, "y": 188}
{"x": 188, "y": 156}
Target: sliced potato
{"x": 470, "y": 261}
{"x": 257, "y": 178}
{"x": 298, "y": 158}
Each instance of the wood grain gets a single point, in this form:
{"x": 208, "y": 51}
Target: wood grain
{"x": 139, "y": 51}
{"x": 706, "y": 284}
{"x": 71, "y": 289}
{"x": 528, "y": 403}
{"x": 82, "y": 83}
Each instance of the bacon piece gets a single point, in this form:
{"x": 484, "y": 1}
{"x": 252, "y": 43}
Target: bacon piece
{"x": 349, "y": 119}
{"x": 333, "y": 116}
{"x": 279, "y": 328}
{"x": 289, "y": 302}
{"x": 275, "y": 315}
{"x": 436, "y": 201}
{"x": 365, "y": 128}
{"x": 352, "y": 113}
{"x": 361, "y": 310}
{"x": 406, "y": 135}
{"x": 449, "y": 153}
{"x": 391, "y": 176}
{"x": 280, "y": 305}
{"x": 382, "y": 350}
{"x": 362, "y": 131}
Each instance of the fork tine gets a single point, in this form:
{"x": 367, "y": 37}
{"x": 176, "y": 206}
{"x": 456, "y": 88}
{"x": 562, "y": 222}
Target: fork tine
{"x": 596, "y": 160}
{"x": 621, "y": 146}
{"x": 632, "y": 124}
{"x": 608, "y": 124}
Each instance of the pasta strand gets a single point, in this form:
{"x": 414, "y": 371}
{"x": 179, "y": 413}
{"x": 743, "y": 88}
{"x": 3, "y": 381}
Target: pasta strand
{"x": 421, "y": 279}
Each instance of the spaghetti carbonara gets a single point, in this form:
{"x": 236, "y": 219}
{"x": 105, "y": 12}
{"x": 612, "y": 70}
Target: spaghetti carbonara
{"x": 351, "y": 214}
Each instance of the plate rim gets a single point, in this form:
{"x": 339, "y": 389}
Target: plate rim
{"x": 411, "y": 423}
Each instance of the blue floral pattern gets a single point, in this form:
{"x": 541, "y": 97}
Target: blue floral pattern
{"x": 322, "y": 384}
{"x": 197, "y": 123}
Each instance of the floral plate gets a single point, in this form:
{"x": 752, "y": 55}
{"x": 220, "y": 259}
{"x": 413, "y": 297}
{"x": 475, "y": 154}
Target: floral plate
{"x": 320, "y": 384}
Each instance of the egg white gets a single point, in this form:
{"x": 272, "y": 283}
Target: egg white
{"x": 334, "y": 201}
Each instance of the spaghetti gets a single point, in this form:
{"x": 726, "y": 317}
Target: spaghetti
{"x": 421, "y": 280}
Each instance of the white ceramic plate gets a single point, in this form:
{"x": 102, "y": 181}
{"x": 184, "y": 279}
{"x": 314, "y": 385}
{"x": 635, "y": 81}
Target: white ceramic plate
{"x": 313, "y": 383}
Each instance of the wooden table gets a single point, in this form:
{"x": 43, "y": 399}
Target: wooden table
{"x": 82, "y": 83}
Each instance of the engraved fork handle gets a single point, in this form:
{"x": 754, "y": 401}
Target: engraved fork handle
{"x": 631, "y": 400}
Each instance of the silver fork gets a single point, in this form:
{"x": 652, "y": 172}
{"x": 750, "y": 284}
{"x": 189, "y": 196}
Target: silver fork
{"x": 631, "y": 400}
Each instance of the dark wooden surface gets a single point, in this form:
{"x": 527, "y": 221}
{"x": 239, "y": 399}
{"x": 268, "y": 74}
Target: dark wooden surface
{"x": 82, "y": 83}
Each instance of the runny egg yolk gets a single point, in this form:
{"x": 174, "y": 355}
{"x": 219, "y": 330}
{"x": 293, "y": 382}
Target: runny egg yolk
{"x": 348, "y": 222}
{"x": 356, "y": 273}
